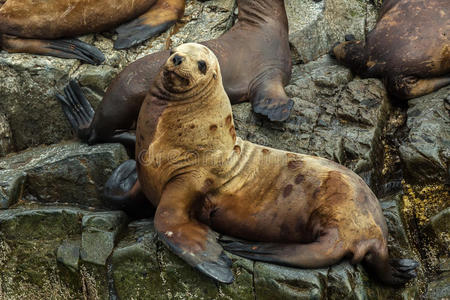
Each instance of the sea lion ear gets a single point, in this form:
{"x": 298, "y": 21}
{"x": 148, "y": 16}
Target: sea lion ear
{"x": 215, "y": 75}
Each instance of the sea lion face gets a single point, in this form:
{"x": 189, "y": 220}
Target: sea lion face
{"x": 189, "y": 66}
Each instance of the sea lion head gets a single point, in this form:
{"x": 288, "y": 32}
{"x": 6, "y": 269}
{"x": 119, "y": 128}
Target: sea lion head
{"x": 351, "y": 54}
{"x": 189, "y": 66}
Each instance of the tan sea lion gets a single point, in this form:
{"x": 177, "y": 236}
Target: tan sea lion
{"x": 288, "y": 208}
{"x": 256, "y": 65}
{"x": 34, "y": 26}
{"x": 409, "y": 48}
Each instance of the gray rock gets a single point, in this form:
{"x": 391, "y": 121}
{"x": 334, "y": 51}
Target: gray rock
{"x": 72, "y": 172}
{"x": 276, "y": 282}
{"x": 333, "y": 116}
{"x": 426, "y": 150}
{"x": 398, "y": 241}
{"x": 315, "y": 26}
{"x": 440, "y": 225}
{"x": 439, "y": 289}
{"x": 11, "y": 187}
{"x": 100, "y": 231}
{"x": 345, "y": 281}
{"x": 29, "y": 239}
{"x": 68, "y": 254}
{"x": 28, "y": 85}
{"x": 142, "y": 268}
{"x": 6, "y": 144}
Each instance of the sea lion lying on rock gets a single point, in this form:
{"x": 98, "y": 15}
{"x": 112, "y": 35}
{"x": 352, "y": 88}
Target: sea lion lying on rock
{"x": 35, "y": 26}
{"x": 256, "y": 65}
{"x": 409, "y": 48}
{"x": 280, "y": 207}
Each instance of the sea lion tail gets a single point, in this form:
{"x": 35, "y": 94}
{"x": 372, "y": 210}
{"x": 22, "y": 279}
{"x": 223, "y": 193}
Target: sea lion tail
{"x": 77, "y": 109}
{"x": 65, "y": 48}
{"x": 161, "y": 16}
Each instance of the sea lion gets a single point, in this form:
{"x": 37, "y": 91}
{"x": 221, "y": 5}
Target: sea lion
{"x": 409, "y": 48}
{"x": 256, "y": 65}
{"x": 33, "y": 27}
{"x": 280, "y": 207}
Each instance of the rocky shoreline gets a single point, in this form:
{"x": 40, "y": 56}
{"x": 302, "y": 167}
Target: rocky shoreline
{"x": 60, "y": 240}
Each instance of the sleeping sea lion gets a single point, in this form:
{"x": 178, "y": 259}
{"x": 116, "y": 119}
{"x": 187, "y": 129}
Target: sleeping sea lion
{"x": 256, "y": 65}
{"x": 409, "y": 48}
{"x": 34, "y": 27}
{"x": 280, "y": 207}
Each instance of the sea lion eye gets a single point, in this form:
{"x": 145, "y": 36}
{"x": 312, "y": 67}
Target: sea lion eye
{"x": 202, "y": 66}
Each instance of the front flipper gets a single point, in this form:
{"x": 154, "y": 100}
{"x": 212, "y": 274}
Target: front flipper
{"x": 191, "y": 240}
{"x": 64, "y": 48}
{"x": 158, "y": 19}
{"x": 270, "y": 99}
{"x": 77, "y": 109}
{"x": 211, "y": 261}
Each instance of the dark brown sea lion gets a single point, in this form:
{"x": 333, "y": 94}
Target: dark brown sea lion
{"x": 290, "y": 209}
{"x": 256, "y": 65}
{"x": 409, "y": 48}
{"x": 32, "y": 26}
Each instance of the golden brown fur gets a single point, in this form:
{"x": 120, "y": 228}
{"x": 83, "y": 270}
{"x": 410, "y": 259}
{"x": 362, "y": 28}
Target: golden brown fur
{"x": 200, "y": 175}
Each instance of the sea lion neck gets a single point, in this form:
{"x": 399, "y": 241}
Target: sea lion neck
{"x": 258, "y": 12}
{"x": 198, "y": 120}
{"x": 191, "y": 94}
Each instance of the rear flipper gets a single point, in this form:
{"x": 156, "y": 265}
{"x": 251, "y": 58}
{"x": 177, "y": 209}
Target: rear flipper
{"x": 77, "y": 109}
{"x": 123, "y": 191}
{"x": 64, "y": 48}
{"x": 395, "y": 272}
{"x": 324, "y": 252}
{"x": 158, "y": 19}
{"x": 270, "y": 99}
{"x": 80, "y": 114}
{"x": 407, "y": 87}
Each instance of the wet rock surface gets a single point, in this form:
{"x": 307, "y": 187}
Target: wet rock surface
{"x": 426, "y": 150}
{"x": 69, "y": 172}
{"x": 84, "y": 251}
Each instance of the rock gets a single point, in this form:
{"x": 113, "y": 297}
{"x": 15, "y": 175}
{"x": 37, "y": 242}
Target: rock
{"x": 100, "y": 231}
{"x": 69, "y": 254}
{"x": 29, "y": 238}
{"x": 72, "y": 172}
{"x": 426, "y": 150}
{"x": 276, "y": 282}
{"x": 11, "y": 187}
{"x": 333, "y": 116}
{"x": 398, "y": 241}
{"x": 345, "y": 281}
{"x": 28, "y": 83}
{"x": 142, "y": 268}
{"x": 440, "y": 225}
{"x": 439, "y": 289}
{"x": 6, "y": 144}
{"x": 315, "y": 26}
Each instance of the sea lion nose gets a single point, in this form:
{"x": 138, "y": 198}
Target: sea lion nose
{"x": 177, "y": 60}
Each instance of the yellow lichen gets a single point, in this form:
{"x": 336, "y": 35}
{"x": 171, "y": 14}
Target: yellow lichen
{"x": 423, "y": 202}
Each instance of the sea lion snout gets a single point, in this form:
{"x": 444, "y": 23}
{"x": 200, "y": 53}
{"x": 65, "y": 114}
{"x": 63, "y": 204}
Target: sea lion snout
{"x": 177, "y": 60}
